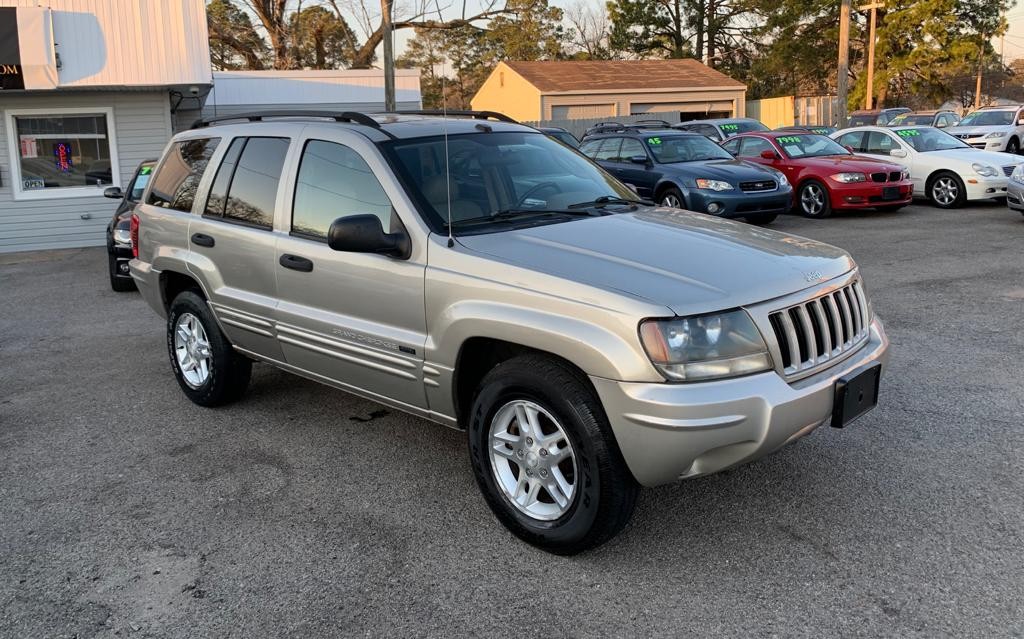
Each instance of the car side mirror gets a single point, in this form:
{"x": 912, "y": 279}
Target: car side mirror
{"x": 364, "y": 234}
{"x": 940, "y": 125}
{"x": 638, "y": 159}
{"x": 848, "y": 148}
{"x": 769, "y": 155}
{"x": 898, "y": 153}
{"x": 113, "y": 192}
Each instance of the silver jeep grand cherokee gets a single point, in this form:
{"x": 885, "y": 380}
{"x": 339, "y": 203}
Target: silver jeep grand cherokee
{"x": 476, "y": 273}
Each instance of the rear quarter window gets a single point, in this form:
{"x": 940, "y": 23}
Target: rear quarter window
{"x": 176, "y": 181}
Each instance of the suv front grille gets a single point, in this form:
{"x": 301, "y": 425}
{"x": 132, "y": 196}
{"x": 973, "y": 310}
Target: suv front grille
{"x": 815, "y": 332}
{"x": 763, "y": 185}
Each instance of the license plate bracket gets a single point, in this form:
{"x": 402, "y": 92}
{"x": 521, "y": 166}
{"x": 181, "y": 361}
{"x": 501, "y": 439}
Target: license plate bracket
{"x": 890, "y": 192}
{"x": 855, "y": 394}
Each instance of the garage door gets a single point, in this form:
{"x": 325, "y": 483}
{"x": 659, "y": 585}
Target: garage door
{"x": 686, "y": 107}
{"x": 581, "y": 111}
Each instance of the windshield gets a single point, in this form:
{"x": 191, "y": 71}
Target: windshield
{"x": 685, "y": 148}
{"x": 494, "y": 174}
{"x": 565, "y": 138}
{"x": 743, "y": 126}
{"x": 926, "y": 139}
{"x": 140, "y": 182}
{"x": 906, "y": 118}
{"x": 809, "y": 146}
{"x": 862, "y": 120}
{"x": 988, "y": 118}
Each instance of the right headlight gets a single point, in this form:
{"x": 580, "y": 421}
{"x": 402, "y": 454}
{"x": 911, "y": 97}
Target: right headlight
{"x": 849, "y": 178}
{"x": 705, "y": 346}
{"x": 984, "y": 170}
{"x": 1018, "y": 174}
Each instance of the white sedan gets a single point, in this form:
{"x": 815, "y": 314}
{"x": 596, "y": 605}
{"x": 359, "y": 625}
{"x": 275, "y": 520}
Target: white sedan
{"x": 944, "y": 169}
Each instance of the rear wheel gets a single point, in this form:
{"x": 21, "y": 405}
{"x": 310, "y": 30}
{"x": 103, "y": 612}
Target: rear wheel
{"x": 946, "y": 190}
{"x": 672, "y": 197}
{"x": 813, "y": 200}
{"x": 545, "y": 458}
{"x": 207, "y": 367}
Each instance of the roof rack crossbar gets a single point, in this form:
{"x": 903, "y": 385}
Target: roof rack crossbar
{"x": 351, "y": 117}
{"x": 478, "y": 115}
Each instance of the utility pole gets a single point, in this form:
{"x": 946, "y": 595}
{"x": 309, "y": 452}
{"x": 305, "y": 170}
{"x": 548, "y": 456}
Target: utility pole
{"x": 977, "y": 86}
{"x": 843, "y": 78}
{"x": 869, "y": 94}
{"x": 389, "y": 56}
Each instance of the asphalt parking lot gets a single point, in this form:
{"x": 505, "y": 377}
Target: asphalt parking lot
{"x": 302, "y": 511}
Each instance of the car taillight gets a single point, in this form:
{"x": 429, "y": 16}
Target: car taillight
{"x": 135, "y": 235}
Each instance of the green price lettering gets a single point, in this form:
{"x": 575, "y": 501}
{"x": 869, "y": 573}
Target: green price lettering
{"x": 790, "y": 139}
{"x": 654, "y": 141}
{"x": 908, "y": 133}
{"x": 730, "y": 127}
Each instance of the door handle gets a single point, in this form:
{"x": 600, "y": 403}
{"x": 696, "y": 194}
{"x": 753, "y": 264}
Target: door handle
{"x": 201, "y": 239}
{"x": 296, "y": 263}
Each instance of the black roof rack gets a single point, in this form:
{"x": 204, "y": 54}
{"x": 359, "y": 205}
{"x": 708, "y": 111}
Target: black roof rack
{"x": 652, "y": 123}
{"x": 352, "y": 117}
{"x": 461, "y": 113}
{"x": 615, "y": 127}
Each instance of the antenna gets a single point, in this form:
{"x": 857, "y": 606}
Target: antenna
{"x": 444, "y": 130}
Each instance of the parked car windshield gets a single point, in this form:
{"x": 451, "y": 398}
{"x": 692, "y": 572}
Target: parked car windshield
{"x": 988, "y": 118}
{"x": 926, "y": 139}
{"x": 685, "y": 148}
{"x": 743, "y": 126}
{"x": 904, "y": 119}
{"x": 503, "y": 177}
{"x": 809, "y": 146}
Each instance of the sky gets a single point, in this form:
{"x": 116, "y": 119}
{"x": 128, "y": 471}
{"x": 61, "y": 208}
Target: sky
{"x": 1013, "y": 42}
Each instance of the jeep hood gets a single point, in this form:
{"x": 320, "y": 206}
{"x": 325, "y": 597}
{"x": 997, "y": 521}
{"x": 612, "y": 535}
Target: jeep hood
{"x": 690, "y": 262}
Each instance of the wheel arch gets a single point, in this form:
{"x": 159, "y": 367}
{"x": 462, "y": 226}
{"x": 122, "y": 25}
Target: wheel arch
{"x": 174, "y": 282}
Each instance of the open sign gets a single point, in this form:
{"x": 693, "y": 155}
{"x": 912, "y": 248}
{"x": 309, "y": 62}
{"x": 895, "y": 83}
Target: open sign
{"x": 62, "y": 157}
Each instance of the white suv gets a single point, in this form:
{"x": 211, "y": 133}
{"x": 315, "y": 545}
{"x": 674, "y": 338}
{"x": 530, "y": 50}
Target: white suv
{"x": 997, "y": 128}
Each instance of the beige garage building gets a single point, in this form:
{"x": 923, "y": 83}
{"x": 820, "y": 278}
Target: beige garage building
{"x": 571, "y": 90}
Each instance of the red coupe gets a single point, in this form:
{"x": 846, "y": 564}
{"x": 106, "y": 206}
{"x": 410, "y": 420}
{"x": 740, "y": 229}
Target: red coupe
{"x": 826, "y": 176}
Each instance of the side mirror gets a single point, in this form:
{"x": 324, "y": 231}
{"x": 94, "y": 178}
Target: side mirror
{"x": 638, "y": 159}
{"x": 113, "y": 192}
{"x": 941, "y": 124}
{"x": 769, "y": 155}
{"x": 848, "y": 148}
{"x": 898, "y": 153}
{"x": 364, "y": 234}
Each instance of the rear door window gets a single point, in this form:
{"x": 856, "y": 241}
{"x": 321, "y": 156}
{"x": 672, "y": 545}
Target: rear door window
{"x": 880, "y": 143}
{"x": 245, "y": 189}
{"x": 176, "y": 182}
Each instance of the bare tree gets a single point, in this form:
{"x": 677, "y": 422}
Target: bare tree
{"x": 272, "y": 14}
{"x": 588, "y": 29}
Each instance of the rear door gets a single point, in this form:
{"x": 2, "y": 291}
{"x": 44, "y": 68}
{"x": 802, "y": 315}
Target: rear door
{"x": 232, "y": 241}
{"x": 356, "y": 320}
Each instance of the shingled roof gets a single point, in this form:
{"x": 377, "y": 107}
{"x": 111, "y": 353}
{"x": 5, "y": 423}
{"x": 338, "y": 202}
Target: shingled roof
{"x": 559, "y": 76}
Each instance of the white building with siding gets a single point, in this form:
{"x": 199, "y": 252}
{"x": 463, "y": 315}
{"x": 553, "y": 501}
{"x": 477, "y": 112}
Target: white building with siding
{"x": 90, "y": 88}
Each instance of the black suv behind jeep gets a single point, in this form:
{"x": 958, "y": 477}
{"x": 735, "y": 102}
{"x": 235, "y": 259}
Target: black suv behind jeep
{"x": 119, "y": 241}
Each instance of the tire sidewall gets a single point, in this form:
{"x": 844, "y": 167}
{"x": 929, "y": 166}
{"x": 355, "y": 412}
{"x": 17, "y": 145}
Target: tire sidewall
{"x": 190, "y": 302}
{"x": 677, "y": 193}
{"x": 961, "y": 196}
{"x": 574, "y": 525}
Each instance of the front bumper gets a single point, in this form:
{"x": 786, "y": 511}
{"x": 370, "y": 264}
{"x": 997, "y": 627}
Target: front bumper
{"x": 987, "y": 144}
{"x": 864, "y": 195}
{"x": 741, "y": 204}
{"x": 675, "y": 431}
{"x": 986, "y": 188}
{"x": 122, "y": 254}
{"x": 1015, "y": 196}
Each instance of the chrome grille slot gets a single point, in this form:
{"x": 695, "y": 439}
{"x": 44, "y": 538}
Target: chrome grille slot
{"x": 815, "y": 332}
{"x": 1008, "y": 170}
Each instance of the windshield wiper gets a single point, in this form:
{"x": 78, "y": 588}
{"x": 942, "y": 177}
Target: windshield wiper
{"x": 509, "y": 214}
{"x": 604, "y": 200}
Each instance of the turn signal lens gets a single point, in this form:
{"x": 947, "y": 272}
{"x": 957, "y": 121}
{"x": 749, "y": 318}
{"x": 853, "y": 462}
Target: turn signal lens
{"x": 135, "y": 235}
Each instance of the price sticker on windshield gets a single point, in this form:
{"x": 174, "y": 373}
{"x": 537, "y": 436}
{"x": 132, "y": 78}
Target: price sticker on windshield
{"x": 790, "y": 139}
{"x": 730, "y": 127}
{"x": 654, "y": 141}
{"x": 907, "y": 133}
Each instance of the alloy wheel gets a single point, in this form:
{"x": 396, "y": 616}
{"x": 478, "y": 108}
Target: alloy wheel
{"x": 812, "y": 199}
{"x": 192, "y": 350}
{"x": 671, "y": 200}
{"x": 533, "y": 461}
{"x": 945, "y": 190}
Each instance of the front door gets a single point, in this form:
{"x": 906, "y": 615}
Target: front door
{"x": 355, "y": 319}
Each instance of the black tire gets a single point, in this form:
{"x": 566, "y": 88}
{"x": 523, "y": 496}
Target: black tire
{"x": 229, "y": 371}
{"x": 605, "y": 490}
{"x": 1013, "y": 146}
{"x": 813, "y": 200}
{"x": 892, "y": 208}
{"x": 938, "y": 192}
{"x": 670, "y": 193}
{"x": 118, "y": 284}
{"x": 763, "y": 219}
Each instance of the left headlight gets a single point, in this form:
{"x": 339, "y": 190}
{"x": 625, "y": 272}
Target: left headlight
{"x": 782, "y": 179}
{"x": 705, "y": 347}
{"x": 1018, "y": 174}
{"x": 905, "y": 175}
{"x": 123, "y": 235}
{"x": 713, "y": 185}
{"x": 849, "y": 178}
{"x": 985, "y": 170}
{"x": 997, "y": 134}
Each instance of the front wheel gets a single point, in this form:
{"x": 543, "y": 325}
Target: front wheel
{"x": 813, "y": 200}
{"x": 673, "y": 198}
{"x": 1013, "y": 146}
{"x": 946, "y": 191}
{"x": 545, "y": 458}
{"x": 207, "y": 367}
